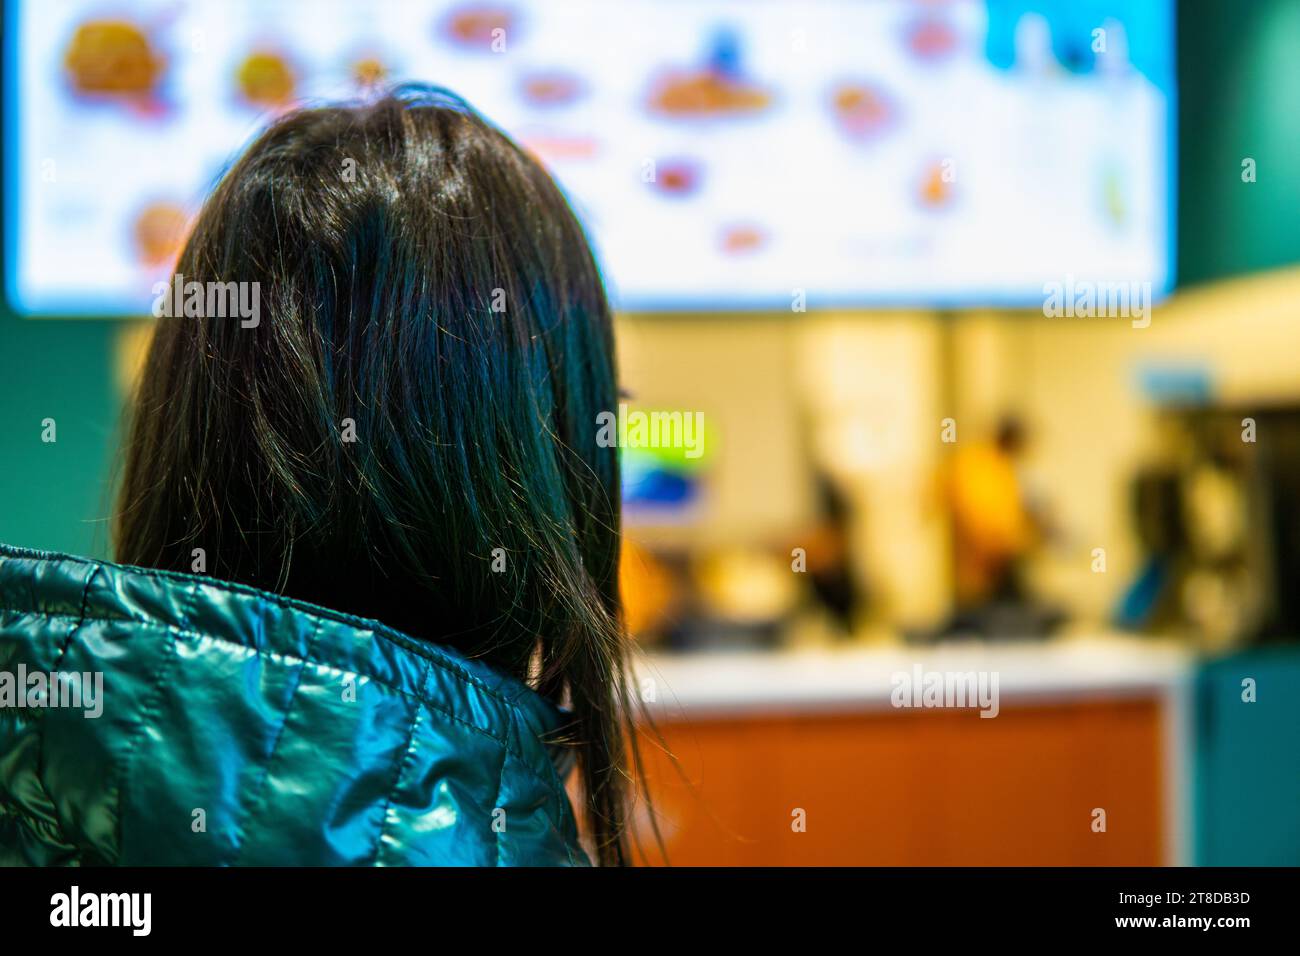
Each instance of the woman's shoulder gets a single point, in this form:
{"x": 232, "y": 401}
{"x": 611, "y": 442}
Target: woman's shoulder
{"x": 219, "y": 724}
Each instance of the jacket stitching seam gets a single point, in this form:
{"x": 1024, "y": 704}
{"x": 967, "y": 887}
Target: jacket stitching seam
{"x": 496, "y": 802}
{"x": 152, "y": 697}
{"x": 256, "y": 802}
{"x": 379, "y": 629}
{"x": 411, "y": 747}
{"x": 40, "y": 731}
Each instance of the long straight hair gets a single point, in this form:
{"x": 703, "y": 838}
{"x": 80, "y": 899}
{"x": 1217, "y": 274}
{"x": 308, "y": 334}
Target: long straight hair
{"x": 407, "y": 431}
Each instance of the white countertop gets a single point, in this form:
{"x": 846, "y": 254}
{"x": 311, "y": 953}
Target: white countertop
{"x": 860, "y": 676}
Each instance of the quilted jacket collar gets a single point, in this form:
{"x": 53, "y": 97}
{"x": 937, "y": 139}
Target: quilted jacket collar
{"x": 224, "y": 645}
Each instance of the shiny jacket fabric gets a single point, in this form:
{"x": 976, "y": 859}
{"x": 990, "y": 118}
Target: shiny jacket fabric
{"x": 237, "y": 727}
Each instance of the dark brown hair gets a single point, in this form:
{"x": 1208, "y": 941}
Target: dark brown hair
{"x": 423, "y": 279}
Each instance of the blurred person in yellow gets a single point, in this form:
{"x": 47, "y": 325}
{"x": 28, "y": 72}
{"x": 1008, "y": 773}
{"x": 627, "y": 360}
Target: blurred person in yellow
{"x": 993, "y": 526}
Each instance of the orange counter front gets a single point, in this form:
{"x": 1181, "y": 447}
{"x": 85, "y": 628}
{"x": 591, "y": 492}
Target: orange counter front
{"x": 802, "y": 760}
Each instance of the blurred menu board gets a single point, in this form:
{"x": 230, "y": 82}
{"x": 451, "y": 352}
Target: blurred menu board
{"x": 757, "y": 154}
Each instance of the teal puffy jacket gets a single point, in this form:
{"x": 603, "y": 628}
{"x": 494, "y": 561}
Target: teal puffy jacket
{"x": 235, "y": 727}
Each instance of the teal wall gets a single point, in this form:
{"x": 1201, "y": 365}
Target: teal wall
{"x": 1239, "y": 96}
{"x": 53, "y": 496}
{"x": 1247, "y": 760}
